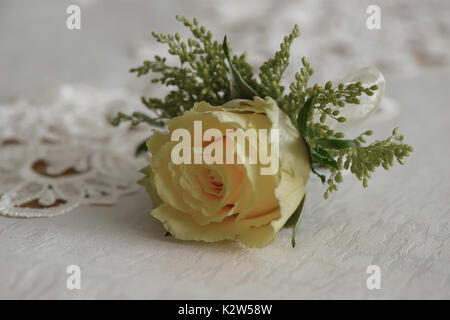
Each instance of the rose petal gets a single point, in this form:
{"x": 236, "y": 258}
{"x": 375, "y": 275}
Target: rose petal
{"x": 183, "y": 227}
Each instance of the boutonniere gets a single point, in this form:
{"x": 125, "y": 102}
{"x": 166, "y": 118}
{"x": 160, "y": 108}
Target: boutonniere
{"x": 235, "y": 159}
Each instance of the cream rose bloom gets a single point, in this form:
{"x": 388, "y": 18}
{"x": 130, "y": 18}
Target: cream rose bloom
{"x": 227, "y": 201}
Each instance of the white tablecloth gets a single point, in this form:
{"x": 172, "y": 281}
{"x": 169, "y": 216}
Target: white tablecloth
{"x": 400, "y": 223}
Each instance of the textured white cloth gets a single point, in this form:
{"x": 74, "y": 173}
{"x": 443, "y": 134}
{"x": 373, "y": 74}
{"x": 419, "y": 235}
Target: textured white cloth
{"x": 400, "y": 223}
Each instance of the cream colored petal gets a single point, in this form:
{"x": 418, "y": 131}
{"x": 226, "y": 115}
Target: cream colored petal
{"x": 183, "y": 227}
{"x": 214, "y": 117}
{"x": 157, "y": 140}
{"x": 263, "y": 198}
{"x": 186, "y": 121}
{"x": 147, "y": 182}
{"x": 168, "y": 191}
{"x": 294, "y": 163}
{"x": 177, "y": 186}
{"x": 258, "y": 237}
{"x": 172, "y": 190}
{"x": 206, "y": 207}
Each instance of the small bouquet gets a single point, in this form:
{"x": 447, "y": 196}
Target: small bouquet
{"x": 235, "y": 161}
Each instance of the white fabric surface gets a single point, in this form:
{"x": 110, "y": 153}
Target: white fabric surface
{"x": 400, "y": 223}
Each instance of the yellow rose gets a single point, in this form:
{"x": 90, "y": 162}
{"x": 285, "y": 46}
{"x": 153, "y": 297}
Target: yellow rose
{"x": 214, "y": 202}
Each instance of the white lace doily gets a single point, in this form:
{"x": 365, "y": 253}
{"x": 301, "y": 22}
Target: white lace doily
{"x": 61, "y": 152}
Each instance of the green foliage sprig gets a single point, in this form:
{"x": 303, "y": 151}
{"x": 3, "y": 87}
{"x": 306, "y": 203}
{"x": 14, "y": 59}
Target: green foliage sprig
{"x": 208, "y": 72}
{"x": 272, "y": 70}
{"x": 202, "y": 73}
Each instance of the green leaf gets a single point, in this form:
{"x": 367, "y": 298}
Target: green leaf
{"x": 323, "y": 153}
{"x": 239, "y": 88}
{"x": 321, "y": 176}
{"x": 135, "y": 119}
{"x": 318, "y": 156}
{"x": 119, "y": 118}
{"x": 303, "y": 116}
{"x": 294, "y": 220}
{"x": 310, "y": 133}
{"x": 336, "y": 143}
{"x": 140, "y": 117}
{"x": 142, "y": 147}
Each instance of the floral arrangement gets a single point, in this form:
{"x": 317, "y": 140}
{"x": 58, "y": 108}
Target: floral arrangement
{"x": 210, "y": 199}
